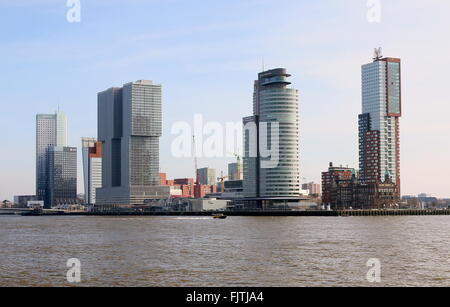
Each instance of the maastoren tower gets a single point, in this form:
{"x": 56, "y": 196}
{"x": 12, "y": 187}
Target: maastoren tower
{"x": 271, "y": 139}
{"x": 129, "y": 128}
{"x": 379, "y": 123}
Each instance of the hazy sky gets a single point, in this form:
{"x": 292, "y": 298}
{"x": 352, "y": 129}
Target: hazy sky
{"x": 206, "y": 55}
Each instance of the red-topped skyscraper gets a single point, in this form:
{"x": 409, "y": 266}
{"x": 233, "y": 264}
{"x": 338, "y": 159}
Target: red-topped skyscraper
{"x": 379, "y": 128}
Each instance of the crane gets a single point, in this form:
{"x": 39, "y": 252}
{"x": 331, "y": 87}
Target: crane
{"x": 222, "y": 183}
{"x": 197, "y": 187}
{"x": 238, "y": 160}
{"x": 195, "y": 159}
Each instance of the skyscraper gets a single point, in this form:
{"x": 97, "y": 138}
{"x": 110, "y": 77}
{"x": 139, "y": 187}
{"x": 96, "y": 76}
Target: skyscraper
{"x": 379, "y": 132}
{"x": 207, "y": 176}
{"x": 51, "y": 130}
{"x": 235, "y": 171}
{"x": 62, "y": 176}
{"x": 271, "y": 138}
{"x": 92, "y": 168}
{"x": 313, "y": 188}
{"x": 129, "y": 128}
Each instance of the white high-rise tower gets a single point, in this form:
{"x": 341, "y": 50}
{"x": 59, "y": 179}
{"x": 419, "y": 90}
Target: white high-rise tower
{"x": 276, "y": 128}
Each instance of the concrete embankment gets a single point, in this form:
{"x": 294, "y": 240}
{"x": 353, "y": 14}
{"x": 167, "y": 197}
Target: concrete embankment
{"x": 342, "y": 213}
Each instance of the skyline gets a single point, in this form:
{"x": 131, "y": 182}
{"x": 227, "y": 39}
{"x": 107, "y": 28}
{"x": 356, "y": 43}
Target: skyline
{"x": 207, "y": 76}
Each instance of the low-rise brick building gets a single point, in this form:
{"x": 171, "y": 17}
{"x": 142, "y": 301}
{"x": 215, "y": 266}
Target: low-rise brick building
{"x": 342, "y": 190}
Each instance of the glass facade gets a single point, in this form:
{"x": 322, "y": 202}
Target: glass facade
{"x": 144, "y": 161}
{"x": 379, "y": 139}
{"x": 130, "y": 126}
{"x": 277, "y": 120}
{"x": 207, "y": 176}
{"x": 235, "y": 171}
{"x": 51, "y": 130}
{"x": 62, "y": 171}
{"x": 394, "y": 88}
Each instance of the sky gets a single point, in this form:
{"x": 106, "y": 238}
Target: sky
{"x": 206, "y": 55}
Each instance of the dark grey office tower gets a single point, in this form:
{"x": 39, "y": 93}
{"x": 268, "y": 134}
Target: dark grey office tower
{"x": 129, "y": 127}
{"x": 62, "y": 176}
{"x": 251, "y": 161}
{"x": 51, "y": 130}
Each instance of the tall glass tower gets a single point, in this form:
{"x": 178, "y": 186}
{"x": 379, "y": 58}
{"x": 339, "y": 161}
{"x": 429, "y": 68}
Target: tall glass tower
{"x": 51, "y": 130}
{"x": 62, "y": 176}
{"x": 276, "y": 122}
{"x": 129, "y": 128}
{"x": 379, "y": 127}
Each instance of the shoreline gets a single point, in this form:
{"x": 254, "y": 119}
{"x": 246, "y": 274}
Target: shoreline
{"x": 339, "y": 213}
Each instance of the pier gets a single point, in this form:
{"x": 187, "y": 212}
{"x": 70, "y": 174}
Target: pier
{"x": 400, "y": 212}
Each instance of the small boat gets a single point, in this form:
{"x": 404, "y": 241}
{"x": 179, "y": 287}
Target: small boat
{"x": 219, "y": 216}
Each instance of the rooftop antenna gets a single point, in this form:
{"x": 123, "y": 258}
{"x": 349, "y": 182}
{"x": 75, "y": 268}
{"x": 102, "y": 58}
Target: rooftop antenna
{"x": 378, "y": 54}
{"x": 263, "y": 64}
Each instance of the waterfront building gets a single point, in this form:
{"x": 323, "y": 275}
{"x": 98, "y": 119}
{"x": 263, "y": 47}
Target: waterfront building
{"x": 163, "y": 179}
{"x": 313, "y": 188}
{"x": 129, "y": 128}
{"x": 251, "y": 160}
{"x": 6, "y": 204}
{"x": 427, "y": 201}
{"x": 329, "y": 179}
{"x": 21, "y": 201}
{"x": 51, "y": 130}
{"x": 185, "y": 185}
{"x": 92, "y": 168}
{"x": 35, "y": 204}
{"x": 204, "y": 190}
{"x": 379, "y": 123}
{"x": 184, "y": 181}
{"x": 304, "y": 192}
{"x": 235, "y": 171}
{"x": 234, "y": 186}
{"x": 377, "y": 196}
{"x": 274, "y": 126}
{"x": 209, "y": 204}
{"x": 342, "y": 189}
{"x": 207, "y": 176}
{"x": 62, "y": 176}
{"x": 424, "y": 195}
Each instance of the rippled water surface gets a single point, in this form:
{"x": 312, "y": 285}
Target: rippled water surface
{"x": 238, "y": 251}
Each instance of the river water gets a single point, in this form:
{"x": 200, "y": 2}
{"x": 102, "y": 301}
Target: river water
{"x": 238, "y": 251}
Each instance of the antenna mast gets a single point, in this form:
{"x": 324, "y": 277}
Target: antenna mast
{"x": 378, "y": 54}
